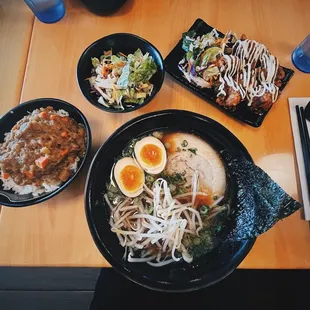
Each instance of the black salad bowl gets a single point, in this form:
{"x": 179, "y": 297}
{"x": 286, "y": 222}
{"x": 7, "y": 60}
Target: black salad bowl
{"x": 176, "y": 277}
{"x": 7, "y": 122}
{"x": 119, "y": 42}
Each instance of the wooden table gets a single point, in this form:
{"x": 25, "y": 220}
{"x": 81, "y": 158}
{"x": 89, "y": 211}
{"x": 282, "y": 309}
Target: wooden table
{"x": 55, "y": 232}
{"x": 16, "y": 22}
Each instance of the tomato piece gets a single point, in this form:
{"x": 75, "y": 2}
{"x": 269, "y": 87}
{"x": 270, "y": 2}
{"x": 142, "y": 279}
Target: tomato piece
{"x": 43, "y": 114}
{"x": 64, "y": 152}
{"x": 29, "y": 174}
{"x": 5, "y": 175}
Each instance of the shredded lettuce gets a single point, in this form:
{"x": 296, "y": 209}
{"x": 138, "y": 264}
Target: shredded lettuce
{"x": 120, "y": 94}
{"x": 140, "y": 95}
{"x": 95, "y": 62}
{"x": 189, "y": 55}
{"x": 138, "y": 54}
{"x": 141, "y": 72}
{"x": 106, "y": 55}
{"x": 210, "y": 72}
{"x": 199, "y": 65}
{"x": 115, "y": 60}
{"x": 133, "y": 100}
{"x": 122, "y": 79}
{"x": 188, "y": 39}
{"x": 210, "y": 55}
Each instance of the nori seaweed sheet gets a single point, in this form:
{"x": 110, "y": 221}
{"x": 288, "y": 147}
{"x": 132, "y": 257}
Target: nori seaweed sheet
{"x": 260, "y": 202}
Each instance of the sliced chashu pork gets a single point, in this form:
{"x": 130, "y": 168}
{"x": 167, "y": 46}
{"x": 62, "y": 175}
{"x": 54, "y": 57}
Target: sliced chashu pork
{"x": 187, "y": 153}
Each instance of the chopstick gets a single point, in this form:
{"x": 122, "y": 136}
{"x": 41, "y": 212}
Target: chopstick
{"x": 304, "y": 123}
{"x": 305, "y": 142}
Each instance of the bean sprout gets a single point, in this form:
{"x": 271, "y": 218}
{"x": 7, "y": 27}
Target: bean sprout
{"x": 160, "y": 231}
{"x": 152, "y": 227}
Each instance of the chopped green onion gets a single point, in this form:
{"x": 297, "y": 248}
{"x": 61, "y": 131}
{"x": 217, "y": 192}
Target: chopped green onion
{"x": 193, "y": 150}
{"x": 197, "y": 241}
{"x": 186, "y": 243}
{"x": 204, "y": 209}
{"x": 172, "y": 188}
{"x": 149, "y": 178}
{"x": 110, "y": 195}
{"x": 181, "y": 191}
{"x": 184, "y": 143}
{"x": 158, "y": 134}
{"x": 218, "y": 228}
{"x": 112, "y": 189}
{"x": 136, "y": 200}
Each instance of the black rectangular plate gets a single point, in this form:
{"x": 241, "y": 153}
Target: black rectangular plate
{"x": 242, "y": 112}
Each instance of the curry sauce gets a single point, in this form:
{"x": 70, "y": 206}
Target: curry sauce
{"x": 43, "y": 147}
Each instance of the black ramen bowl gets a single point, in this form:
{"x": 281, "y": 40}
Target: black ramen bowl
{"x": 7, "y": 122}
{"x": 119, "y": 42}
{"x": 205, "y": 271}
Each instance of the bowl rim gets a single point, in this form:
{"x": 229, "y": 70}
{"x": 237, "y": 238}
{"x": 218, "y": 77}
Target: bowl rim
{"x": 128, "y": 110}
{"x": 227, "y": 270}
{"x": 46, "y": 196}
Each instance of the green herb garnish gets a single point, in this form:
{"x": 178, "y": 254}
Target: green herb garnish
{"x": 218, "y": 228}
{"x": 204, "y": 209}
{"x": 193, "y": 150}
{"x": 184, "y": 143}
{"x": 177, "y": 177}
{"x": 188, "y": 38}
{"x": 149, "y": 178}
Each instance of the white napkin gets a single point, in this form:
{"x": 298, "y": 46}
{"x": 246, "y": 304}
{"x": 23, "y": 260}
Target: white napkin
{"x": 302, "y": 102}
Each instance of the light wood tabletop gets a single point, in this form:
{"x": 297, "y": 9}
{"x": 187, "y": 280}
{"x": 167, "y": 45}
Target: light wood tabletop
{"x": 55, "y": 233}
{"x": 16, "y": 22}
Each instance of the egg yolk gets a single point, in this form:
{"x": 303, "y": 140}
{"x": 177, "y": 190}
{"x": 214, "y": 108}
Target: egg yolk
{"x": 131, "y": 177}
{"x": 151, "y": 155}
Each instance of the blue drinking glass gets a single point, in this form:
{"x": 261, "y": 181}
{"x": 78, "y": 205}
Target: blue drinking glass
{"x": 301, "y": 55}
{"x": 47, "y": 11}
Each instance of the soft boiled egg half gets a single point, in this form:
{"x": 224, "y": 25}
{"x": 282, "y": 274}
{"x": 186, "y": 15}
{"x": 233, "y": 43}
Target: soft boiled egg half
{"x": 129, "y": 177}
{"x": 151, "y": 155}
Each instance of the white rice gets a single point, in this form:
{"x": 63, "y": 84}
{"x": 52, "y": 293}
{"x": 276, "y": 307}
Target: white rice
{"x": 9, "y": 184}
{"x": 62, "y": 112}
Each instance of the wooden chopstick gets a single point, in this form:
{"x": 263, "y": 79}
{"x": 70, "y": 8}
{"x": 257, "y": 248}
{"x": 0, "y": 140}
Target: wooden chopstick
{"x": 305, "y": 143}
